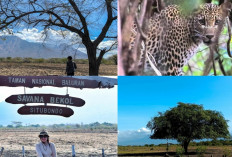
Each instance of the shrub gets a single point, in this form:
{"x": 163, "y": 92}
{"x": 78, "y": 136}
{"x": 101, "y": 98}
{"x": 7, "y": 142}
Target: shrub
{"x": 227, "y": 152}
{"x": 179, "y": 151}
{"x": 200, "y": 151}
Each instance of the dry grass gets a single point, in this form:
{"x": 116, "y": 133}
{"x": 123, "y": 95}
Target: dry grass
{"x": 160, "y": 151}
{"x": 86, "y": 144}
{"x": 44, "y": 69}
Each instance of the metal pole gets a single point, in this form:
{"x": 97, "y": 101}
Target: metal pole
{"x": 23, "y": 151}
{"x": 73, "y": 151}
{"x": 103, "y": 154}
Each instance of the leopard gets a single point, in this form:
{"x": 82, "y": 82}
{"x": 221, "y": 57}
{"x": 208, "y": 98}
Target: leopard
{"x": 173, "y": 37}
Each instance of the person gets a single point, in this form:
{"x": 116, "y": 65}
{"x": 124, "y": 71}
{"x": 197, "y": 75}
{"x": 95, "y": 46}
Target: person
{"x": 45, "y": 148}
{"x": 70, "y": 67}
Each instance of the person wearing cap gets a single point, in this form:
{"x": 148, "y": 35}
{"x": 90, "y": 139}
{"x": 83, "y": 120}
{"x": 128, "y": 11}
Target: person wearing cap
{"x": 45, "y": 148}
{"x": 70, "y": 67}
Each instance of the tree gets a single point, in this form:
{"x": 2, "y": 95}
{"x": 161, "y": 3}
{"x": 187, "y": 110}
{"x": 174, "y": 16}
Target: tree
{"x": 10, "y": 126}
{"x": 17, "y": 124}
{"x": 114, "y": 58}
{"x": 187, "y": 122}
{"x": 76, "y": 16}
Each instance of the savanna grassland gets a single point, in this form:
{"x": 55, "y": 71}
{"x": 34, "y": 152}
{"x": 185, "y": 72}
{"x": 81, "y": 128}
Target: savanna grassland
{"x": 45, "y": 69}
{"x": 174, "y": 150}
{"x": 86, "y": 144}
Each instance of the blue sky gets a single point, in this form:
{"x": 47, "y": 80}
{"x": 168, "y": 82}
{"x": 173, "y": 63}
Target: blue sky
{"x": 101, "y": 106}
{"x": 141, "y": 98}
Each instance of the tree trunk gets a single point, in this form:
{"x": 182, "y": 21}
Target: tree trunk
{"x": 93, "y": 64}
{"x": 185, "y": 146}
{"x": 93, "y": 68}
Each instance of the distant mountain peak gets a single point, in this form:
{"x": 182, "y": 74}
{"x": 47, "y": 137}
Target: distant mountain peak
{"x": 13, "y": 46}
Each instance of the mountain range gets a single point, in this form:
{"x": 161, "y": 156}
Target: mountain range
{"x": 13, "y": 46}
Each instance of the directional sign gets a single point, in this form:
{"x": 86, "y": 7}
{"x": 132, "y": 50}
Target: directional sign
{"x": 55, "y": 81}
{"x": 45, "y": 98}
{"x": 46, "y": 110}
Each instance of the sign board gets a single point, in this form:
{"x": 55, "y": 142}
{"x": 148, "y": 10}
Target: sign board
{"x": 55, "y": 81}
{"x": 45, "y": 98}
{"x": 46, "y": 110}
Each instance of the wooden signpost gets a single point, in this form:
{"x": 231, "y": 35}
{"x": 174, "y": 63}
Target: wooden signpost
{"x": 55, "y": 81}
{"x": 46, "y": 110}
{"x": 45, "y": 98}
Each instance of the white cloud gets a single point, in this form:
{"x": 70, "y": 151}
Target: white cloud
{"x": 56, "y": 37}
{"x": 31, "y": 35}
{"x": 139, "y": 137}
{"x": 107, "y": 43}
{"x": 134, "y": 137}
{"x": 53, "y": 36}
{"x": 145, "y": 130}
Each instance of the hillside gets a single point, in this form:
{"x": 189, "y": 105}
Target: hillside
{"x": 13, "y": 46}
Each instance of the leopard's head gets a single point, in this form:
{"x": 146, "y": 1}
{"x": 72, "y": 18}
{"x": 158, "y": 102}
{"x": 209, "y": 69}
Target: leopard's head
{"x": 209, "y": 20}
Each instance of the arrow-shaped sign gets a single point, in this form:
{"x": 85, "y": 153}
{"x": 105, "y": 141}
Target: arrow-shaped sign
{"x": 45, "y": 98}
{"x": 46, "y": 110}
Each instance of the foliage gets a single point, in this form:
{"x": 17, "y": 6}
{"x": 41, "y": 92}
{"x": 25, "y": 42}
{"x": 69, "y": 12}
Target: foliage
{"x": 196, "y": 65}
{"x": 220, "y": 142}
{"x": 180, "y": 151}
{"x": 187, "y": 122}
{"x": 200, "y": 151}
{"x": 227, "y": 152}
{"x": 114, "y": 59}
{"x": 93, "y": 126}
{"x": 10, "y": 126}
{"x": 17, "y": 124}
{"x": 186, "y": 6}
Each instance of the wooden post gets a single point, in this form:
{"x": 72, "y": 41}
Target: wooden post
{"x": 23, "y": 151}
{"x": 73, "y": 151}
{"x": 103, "y": 154}
{"x": 1, "y": 151}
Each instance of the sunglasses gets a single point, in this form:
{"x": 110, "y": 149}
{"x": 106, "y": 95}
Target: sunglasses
{"x": 43, "y": 136}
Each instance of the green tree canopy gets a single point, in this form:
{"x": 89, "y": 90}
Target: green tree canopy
{"x": 187, "y": 122}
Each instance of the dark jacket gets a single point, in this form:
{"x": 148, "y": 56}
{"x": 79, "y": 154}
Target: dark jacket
{"x": 70, "y": 67}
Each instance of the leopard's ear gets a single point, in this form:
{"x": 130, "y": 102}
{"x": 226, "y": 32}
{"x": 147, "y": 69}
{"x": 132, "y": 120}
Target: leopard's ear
{"x": 225, "y": 8}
